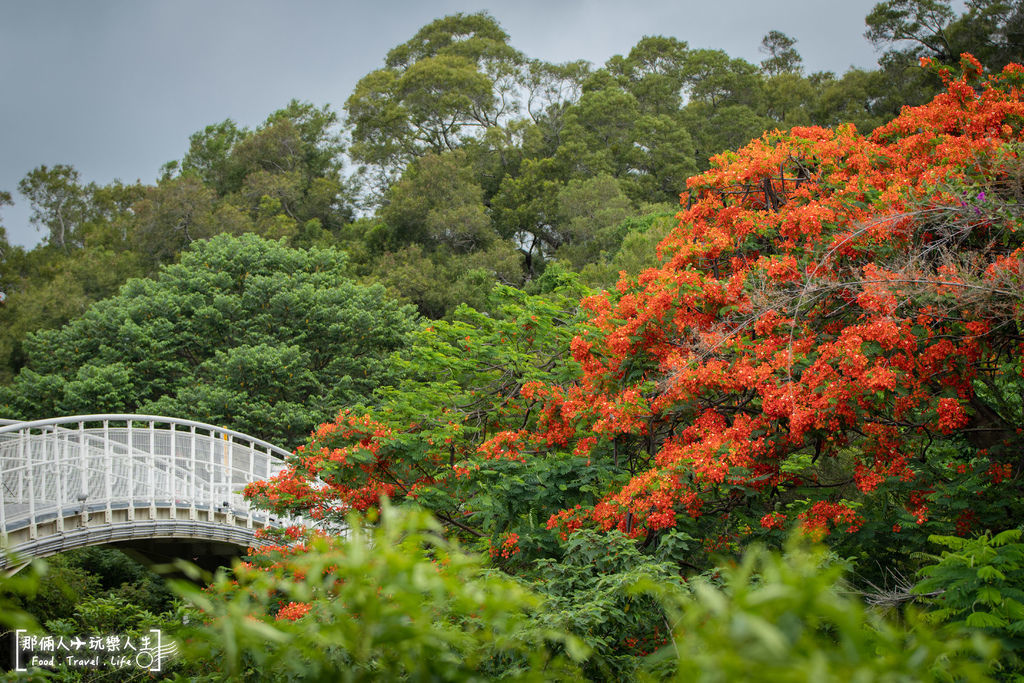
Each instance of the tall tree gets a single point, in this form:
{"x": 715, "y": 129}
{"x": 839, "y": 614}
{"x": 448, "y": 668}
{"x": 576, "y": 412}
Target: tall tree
{"x": 991, "y": 30}
{"x": 654, "y": 72}
{"x": 781, "y": 56}
{"x": 438, "y": 203}
{"x": 454, "y": 79}
{"x": 209, "y": 156}
{"x": 923, "y": 23}
{"x": 5, "y": 200}
{"x": 58, "y": 201}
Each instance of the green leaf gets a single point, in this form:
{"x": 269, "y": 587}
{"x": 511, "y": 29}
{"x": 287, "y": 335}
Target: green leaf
{"x": 985, "y": 620}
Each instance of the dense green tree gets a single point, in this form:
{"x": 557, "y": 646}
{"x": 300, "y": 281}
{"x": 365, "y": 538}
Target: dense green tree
{"x": 524, "y": 211}
{"x": 243, "y": 332}
{"x": 439, "y": 204}
{"x": 591, "y": 592}
{"x": 790, "y": 99}
{"x": 664, "y": 156}
{"x": 978, "y": 583}
{"x": 54, "y": 291}
{"x": 654, "y": 72}
{"x": 47, "y": 286}
{"x": 283, "y": 179}
{"x": 717, "y": 129}
{"x": 992, "y": 30}
{"x": 637, "y": 250}
{"x": 588, "y": 214}
{"x": 209, "y": 156}
{"x": 294, "y": 160}
{"x": 714, "y": 78}
{"x": 172, "y": 215}
{"x": 858, "y": 97}
{"x": 437, "y": 282}
{"x": 599, "y": 131}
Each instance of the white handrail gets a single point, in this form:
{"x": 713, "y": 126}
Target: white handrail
{"x": 14, "y": 426}
{"x": 77, "y": 478}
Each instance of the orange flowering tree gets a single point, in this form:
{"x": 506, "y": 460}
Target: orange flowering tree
{"x": 832, "y": 342}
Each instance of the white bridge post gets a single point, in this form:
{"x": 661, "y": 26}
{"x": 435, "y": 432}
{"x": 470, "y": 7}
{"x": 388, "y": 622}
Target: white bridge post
{"x": 83, "y": 465}
{"x": 108, "y": 472}
{"x": 31, "y": 495}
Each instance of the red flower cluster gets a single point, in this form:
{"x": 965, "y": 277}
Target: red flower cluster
{"x": 293, "y": 611}
{"x": 816, "y": 521}
{"x": 508, "y": 548}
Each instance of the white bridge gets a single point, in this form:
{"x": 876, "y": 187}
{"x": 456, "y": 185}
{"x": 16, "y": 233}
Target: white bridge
{"x": 95, "y": 479}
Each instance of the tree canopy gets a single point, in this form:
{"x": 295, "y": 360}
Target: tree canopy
{"x": 242, "y": 332}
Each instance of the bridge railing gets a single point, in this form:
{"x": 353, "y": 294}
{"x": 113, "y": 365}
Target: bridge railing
{"x": 94, "y": 464}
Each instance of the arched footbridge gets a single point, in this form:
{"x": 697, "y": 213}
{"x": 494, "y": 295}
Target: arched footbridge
{"x": 86, "y": 480}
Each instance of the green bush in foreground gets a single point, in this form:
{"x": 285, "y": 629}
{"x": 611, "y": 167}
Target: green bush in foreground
{"x": 396, "y": 601}
{"x": 392, "y": 602}
{"x": 790, "y": 618}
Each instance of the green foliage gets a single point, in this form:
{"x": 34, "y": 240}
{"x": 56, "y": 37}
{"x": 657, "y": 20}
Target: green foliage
{"x": 282, "y": 180}
{"x": 589, "y": 213}
{"x": 175, "y": 213}
{"x": 92, "y": 591}
{"x": 781, "y": 56}
{"x": 718, "y": 127}
{"x": 59, "y": 202}
{"x": 460, "y": 384}
{"x": 71, "y": 582}
{"x": 638, "y": 238}
{"x": 14, "y": 591}
{"x": 60, "y": 586}
{"x": 243, "y": 332}
{"x": 990, "y": 29}
{"x": 46, "y": 289}
{"x": 455, "y": 75}
{"x": 438, "y": 203}
{"x": 395, "y": 601}
{"x": 654, "y": 72}
{"x": 590, "y": 593}
{"x": 978, "y": 583}
{"x": 791, "y": 618}
{"x": 208, "y": 156}
{"x": 439, "y": 282}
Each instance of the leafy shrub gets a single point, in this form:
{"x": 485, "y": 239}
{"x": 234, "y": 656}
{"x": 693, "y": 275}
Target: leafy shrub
{"x": 979, "y": 584}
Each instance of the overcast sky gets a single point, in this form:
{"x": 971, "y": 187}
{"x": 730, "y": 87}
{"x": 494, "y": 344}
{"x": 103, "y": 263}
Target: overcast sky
{"x": 115, "y": 87}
